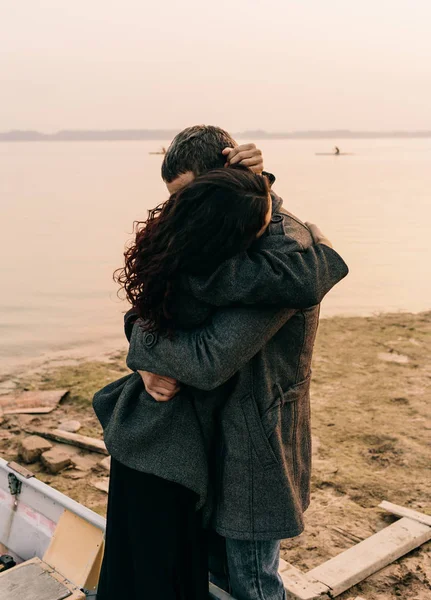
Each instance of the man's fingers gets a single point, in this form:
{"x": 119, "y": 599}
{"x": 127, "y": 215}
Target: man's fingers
{"x": 251, "y": 162}
{"x": 244, "y": 155}
{"x": 231, "y": 152}
{"x": 239, "y": 148}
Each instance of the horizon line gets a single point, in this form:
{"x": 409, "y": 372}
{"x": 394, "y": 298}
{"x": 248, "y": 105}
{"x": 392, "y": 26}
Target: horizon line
{"x": 165, "y": 134}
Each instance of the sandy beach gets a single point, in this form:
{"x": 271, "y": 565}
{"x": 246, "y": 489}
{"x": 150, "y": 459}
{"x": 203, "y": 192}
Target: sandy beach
{"x": 371, "y": 434}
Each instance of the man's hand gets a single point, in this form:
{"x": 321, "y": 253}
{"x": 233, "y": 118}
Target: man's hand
{"x": 160, "y": 388}
{"x": 317, "y": 235}
{"x": 247, "y": 155}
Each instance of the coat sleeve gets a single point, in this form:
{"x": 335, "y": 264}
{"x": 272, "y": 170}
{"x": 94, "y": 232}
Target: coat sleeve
{"x": 207, "y": 357}
{"x": 273, "y": 273}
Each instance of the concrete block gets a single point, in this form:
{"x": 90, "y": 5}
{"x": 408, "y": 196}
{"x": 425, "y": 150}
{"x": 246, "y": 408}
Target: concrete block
{"x": 56, "y": 460}
{"x": 32, "y": 448}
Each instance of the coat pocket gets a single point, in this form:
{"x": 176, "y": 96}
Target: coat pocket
{"x": 290, "y": 436}
{"x": 256, "y": 432}
{"x": 283, "y": 404}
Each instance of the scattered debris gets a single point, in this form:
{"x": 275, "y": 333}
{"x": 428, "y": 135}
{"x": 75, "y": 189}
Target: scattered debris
{"x": 38, "y": 402}
{"x": 82, "y": 463}
{"x": 56, "y": 460}
{"x": 70, "y": 426}
{"x": 352, "y": 566}
{"x": 401, "y": 511}
{"x": 25, "y": 420}
{"x": 395, "y": 357}
{"x": 101, "y": 484}
{"x": 74, "y": 474}
{"x": 7, "y": 386}
{"x": 32, "y": 448}
{"x": 81, "y": 441}
{"x": 106, "y": 463}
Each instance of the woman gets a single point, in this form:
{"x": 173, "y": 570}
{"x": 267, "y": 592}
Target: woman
{"x": 155, "y": 546}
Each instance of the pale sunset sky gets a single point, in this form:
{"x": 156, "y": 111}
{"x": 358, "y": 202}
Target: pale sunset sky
{"x": 278, "y": 65}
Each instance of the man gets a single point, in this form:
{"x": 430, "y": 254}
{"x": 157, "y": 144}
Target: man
{"x": 258, "y": 359}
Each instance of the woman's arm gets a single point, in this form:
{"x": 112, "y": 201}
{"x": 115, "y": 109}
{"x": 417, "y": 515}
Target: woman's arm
{"x": 277, "y": 270}
{"x": 277, "y": 274}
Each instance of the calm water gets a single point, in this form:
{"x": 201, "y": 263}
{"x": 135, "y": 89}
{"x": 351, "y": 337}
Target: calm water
{"x": 67, "y": 210}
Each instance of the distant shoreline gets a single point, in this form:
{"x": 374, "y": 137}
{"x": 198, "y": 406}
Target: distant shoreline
{"x": 117, "y": 135}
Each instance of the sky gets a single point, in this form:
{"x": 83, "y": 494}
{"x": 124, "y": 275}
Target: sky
{"x": 278, "y": 65}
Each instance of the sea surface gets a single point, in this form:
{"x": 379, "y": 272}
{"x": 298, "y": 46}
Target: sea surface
{"x": 67, "y": 210}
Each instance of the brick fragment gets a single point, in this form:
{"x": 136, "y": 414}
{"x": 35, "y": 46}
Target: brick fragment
{"x": 56, "y": 460}
{"x": 32, "y": 448}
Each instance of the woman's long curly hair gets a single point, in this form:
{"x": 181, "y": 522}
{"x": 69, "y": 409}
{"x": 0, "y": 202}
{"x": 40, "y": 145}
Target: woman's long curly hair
{"x": 216, "y": 216}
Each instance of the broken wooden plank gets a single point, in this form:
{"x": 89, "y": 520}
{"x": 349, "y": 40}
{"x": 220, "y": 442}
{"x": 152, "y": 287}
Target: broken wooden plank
{"x": 301, "y": 586}
{"x": 216, "y": 593}
{"x": 282, "y": 566}
{"x": 65, "y": 437}
{"x": 401, "y": 511}
{"x": 37, "y": 402}
{"x": 352, "y": 566}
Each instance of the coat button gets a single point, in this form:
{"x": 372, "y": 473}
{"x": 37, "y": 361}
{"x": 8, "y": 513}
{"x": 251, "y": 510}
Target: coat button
{"x": 150, "y": 339}
{"x": 276, "y": 218}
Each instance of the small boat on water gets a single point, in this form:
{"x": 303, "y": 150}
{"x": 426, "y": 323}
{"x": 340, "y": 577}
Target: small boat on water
{"x": 336, "y": 152}
{"x": 161, "y": 151}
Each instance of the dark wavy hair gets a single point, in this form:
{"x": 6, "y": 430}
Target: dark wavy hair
{"x": 216, "y": 216}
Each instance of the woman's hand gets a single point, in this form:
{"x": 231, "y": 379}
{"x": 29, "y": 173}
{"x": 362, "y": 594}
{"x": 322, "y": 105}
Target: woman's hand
{"x": 247, "y": 155}
{"x": 161, "y": 388}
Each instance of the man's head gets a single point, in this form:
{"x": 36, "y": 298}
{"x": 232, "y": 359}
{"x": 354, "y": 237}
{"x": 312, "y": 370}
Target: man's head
{"x": 193, "y": 152}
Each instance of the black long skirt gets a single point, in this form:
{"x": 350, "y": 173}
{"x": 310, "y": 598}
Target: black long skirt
{"x": 155, "y": 547}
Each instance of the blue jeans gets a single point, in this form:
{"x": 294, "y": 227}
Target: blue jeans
{"x": 247, "y": 570}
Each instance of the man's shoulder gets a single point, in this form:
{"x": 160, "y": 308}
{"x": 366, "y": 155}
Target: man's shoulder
{"x": 288, "y": 225}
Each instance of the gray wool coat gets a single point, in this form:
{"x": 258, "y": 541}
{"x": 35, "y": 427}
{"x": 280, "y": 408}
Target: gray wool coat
{"x": 238, "y": 433}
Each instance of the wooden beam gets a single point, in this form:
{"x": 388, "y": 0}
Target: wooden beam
{"x": 36, "y": 402}
{"x": 283, "y": 565}
{"x": 65, "y": 437}
{"x": 401, "y": 511}
{"x": 301, "y": 586}
{"x": 352, "y": 566}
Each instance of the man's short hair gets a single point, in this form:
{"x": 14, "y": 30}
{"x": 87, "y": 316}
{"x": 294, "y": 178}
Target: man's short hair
{"x": 197, "y": 149}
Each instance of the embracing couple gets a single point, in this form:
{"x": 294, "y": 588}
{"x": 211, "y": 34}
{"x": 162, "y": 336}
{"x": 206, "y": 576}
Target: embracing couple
{"x": 210, "y": 434}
